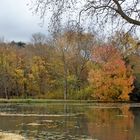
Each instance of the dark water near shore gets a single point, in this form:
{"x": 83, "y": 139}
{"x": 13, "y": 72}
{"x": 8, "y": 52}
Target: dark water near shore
{"x": 72, "y": 121}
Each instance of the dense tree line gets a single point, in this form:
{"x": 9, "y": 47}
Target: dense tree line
{"x": 73, "y": 65}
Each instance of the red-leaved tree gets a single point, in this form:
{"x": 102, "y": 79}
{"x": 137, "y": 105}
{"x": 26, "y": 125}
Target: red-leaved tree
{"x": 110, "y": 77}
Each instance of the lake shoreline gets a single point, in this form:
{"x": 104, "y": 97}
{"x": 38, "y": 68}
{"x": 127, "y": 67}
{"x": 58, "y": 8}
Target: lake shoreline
{"x": 59, "y": 101}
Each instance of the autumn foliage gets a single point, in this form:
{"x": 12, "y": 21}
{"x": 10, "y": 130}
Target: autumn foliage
{"x": 57, "y": 69}
{"x": 67, "y": 67}
{"x": 110, "y": 77}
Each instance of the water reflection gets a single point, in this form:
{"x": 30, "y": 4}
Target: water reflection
{"x": 73, "y": 122}
{"x": 136, "y": 128}
{"x": 110, "y": 123}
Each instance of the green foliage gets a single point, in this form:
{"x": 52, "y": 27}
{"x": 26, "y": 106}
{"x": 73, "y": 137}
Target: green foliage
{"x": 134, "y": 60}
{"x": 82, "y": 94}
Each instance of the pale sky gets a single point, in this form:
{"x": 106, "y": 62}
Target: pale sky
{"x": 17, "y": 22}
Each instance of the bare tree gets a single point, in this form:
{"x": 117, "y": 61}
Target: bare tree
{"x": 38, "y": 39}
{"x": 2, "y": 39}
{"x": 113, "y": 11}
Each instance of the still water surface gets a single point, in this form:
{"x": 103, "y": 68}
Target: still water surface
{"x": 72, "y": 121}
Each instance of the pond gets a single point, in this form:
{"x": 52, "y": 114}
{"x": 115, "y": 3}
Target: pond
{"x": 96, "y": 121}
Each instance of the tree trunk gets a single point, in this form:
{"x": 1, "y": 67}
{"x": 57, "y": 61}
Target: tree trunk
{"x": 65, "y": 78}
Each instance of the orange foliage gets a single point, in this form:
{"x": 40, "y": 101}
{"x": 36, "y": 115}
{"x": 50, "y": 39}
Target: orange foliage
{"x": 111, "y": 78}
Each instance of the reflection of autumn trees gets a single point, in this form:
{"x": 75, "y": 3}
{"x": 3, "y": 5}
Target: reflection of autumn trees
{"x": 111, "y": 123}
{"x": 136, "y": 112}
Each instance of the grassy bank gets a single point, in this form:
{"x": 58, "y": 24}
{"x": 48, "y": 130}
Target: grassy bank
{"x": 44, "y": 101}
{"x": 57, "y": 101}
